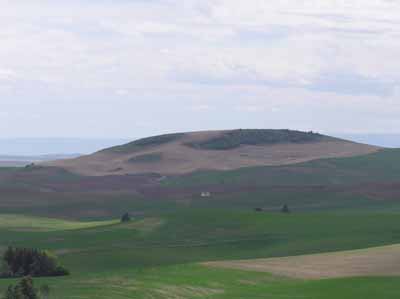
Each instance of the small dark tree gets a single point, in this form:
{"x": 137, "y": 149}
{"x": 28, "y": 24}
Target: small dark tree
{"x": 126, "y": 218}
{"x": 285, "y": 209}
{"x": 23, "y": 290}
{"x": 27, "y": 289}
{"x": 258, "y": 209}
{"x": 8, "y": 259}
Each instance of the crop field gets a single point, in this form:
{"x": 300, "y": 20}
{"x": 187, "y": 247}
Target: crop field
{"x": 194, "y": 281}
{"x": 318, "y": 186}
{"x": 375, "y": 167}
{"x": 30, "y": 223}
{"x": 158, "y": 257}
{"x": 377, "y": 261}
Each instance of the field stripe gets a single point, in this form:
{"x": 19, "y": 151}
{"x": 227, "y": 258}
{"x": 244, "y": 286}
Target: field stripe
{"x": 31, "y": 223}
{"x": 377, "y": 261}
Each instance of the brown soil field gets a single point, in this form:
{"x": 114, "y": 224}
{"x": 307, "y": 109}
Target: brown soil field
{"x": 378, "y": 261}
{"x": 177, "y": 158}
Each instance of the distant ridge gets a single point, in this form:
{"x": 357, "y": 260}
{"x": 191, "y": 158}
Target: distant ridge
{"x": 20, "y": 161}
{"x": 180, "y": 153}
{"x": 38, "y": 158}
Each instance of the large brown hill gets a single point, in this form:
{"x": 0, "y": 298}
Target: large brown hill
{"x": 213, "y": 150}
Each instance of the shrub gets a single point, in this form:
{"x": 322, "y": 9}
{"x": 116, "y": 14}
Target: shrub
{"x": 285, "y": 209}
{"x": 126, "y": 218}
{"x": 60, "y": 271}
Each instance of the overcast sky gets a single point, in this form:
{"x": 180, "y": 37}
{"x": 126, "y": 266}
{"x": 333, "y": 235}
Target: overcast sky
{"x": 131, "y": 68}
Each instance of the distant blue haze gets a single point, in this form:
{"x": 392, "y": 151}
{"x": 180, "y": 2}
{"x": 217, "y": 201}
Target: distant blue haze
{"x": 68, "y": 146}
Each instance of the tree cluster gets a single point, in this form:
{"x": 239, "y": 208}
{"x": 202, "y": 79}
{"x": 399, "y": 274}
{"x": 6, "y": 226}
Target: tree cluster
{"x": 19, "y": 262}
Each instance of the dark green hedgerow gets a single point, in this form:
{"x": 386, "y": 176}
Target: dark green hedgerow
{"x": 236, "y": 138}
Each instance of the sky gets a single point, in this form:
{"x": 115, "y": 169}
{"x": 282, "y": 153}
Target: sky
{"x": 134, "y": 68}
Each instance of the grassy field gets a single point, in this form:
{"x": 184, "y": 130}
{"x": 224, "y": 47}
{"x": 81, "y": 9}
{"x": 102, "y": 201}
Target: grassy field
{"x": 30, "y": 223}
{"x": 369, "y": 182}
{"x": 194, "y": 281}
{"x": 382, "y": 166}
{"x": 191, "y": 236}
{"x": 155, "y": 257}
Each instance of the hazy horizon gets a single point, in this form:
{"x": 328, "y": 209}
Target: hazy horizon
{"x": 62, "y": 146}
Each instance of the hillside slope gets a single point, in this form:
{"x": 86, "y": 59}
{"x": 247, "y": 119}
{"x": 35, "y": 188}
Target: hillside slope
{"x": 213, "y": 150}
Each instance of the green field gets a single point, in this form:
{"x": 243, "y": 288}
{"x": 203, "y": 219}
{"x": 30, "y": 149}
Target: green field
{"x": 193, "y": 281}
{"x": 30, "y": 223}
{"x": 155, "y": 257}
{"x": 382, "y": 166}
{"x": 369, "y": 182}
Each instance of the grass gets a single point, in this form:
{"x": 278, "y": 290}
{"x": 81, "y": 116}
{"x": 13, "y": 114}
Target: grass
{"x": 153, "y": 257}
{"x": 193, "y": 281}
{"x": 324, "y": 185}
{"x": 30, "y": 223}
{"x": 381, "y": 166}
{"x": 195, "y": 236}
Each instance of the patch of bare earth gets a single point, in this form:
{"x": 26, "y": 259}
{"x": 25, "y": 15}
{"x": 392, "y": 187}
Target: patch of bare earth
{"x": 379, "y": 261}
{"x": 177, "y": 158}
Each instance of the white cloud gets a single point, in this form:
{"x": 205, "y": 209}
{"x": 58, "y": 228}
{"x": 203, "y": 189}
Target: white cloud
{"x": 201, "y": 107}
{"x": 7, "y": 74}
{"x": 250, "y": 108}
{"x": 251, "y": 55}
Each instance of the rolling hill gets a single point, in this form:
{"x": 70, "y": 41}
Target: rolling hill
{"x": 183, "y": 153}
{"x": 344, "y": 220}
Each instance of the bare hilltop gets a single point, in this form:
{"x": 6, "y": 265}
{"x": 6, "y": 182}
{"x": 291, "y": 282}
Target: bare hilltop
{"x": 181, "y": 153}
